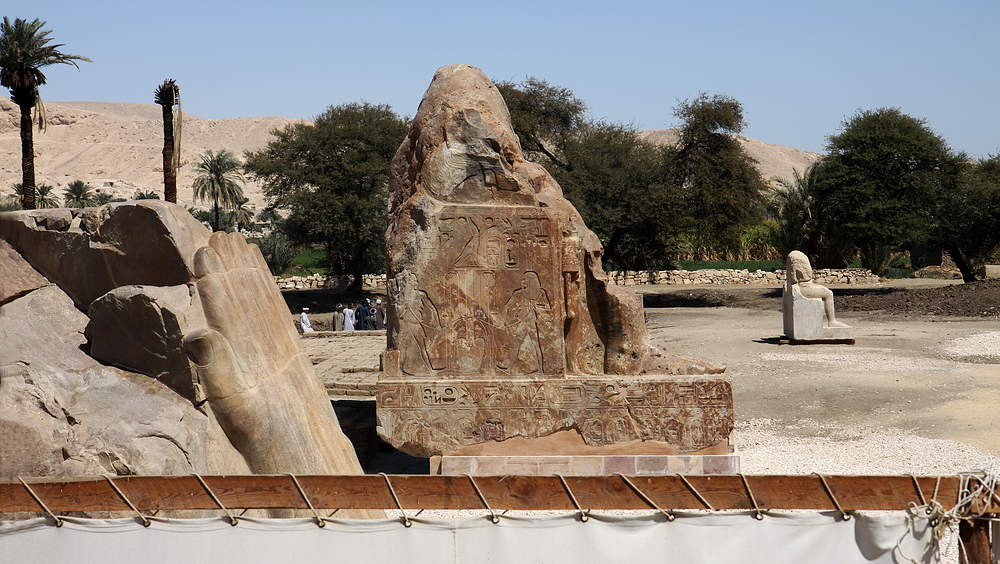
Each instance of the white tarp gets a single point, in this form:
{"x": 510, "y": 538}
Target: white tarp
{"x": 698, "y": 537}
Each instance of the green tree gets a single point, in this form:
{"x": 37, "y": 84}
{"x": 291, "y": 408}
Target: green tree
{"x": 79, "y": 194}
{"x": 278, "y": 252}
{"x": 218, "y": 181}
{"x": 545, "y": 118}
{"x": 43, "y": 197}
{"x": 331, "y": 176}
{"x": 146, "y": 195}
{"x": 240, "y": 216}
{"x": 24, "y": 50}
{"x": 721, "y": 189}
{"x": 168, "y": 95}
{"x": 879, "y": 183}
{"x": 101, "y": 198}
{"x": 615, "y": 180}
{"x": 966, "y": 220}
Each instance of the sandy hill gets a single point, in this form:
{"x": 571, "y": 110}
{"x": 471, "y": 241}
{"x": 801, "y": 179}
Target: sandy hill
{"x": 116, "y": 147}
{"x": 772, "y": 160}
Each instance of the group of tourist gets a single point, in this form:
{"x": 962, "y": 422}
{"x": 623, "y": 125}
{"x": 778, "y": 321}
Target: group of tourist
{"x": 366, "y": 316}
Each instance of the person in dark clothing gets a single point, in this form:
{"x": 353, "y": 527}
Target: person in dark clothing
{"x": 361, "y": 314}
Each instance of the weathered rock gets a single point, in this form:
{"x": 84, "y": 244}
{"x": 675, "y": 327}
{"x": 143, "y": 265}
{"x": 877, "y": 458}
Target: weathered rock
{"x": 17, "y": 278}
{"x": 142, "y": 328}
{"x": 91, "y": 251}
{"x": 498, "y": 298}
{"x": 63, "y": 413}
{"x": 166, "y": 289}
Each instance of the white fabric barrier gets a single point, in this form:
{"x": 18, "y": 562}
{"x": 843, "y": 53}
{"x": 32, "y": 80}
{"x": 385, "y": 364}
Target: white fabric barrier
{"x": 693, "y": 537}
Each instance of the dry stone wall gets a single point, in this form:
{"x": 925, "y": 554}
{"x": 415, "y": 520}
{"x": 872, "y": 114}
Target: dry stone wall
{"x": 860, "y": 276}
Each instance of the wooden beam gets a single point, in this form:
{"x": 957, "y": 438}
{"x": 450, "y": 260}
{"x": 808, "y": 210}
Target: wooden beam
{"x": 723, "y": 492}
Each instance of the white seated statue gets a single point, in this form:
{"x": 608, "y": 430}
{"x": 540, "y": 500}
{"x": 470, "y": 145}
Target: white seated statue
{"x": 805, "y": 304}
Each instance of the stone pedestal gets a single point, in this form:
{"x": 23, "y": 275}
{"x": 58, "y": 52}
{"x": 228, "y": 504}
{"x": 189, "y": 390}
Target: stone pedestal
{"x": 427, "y": 417}
{"x": 803, "y": 320}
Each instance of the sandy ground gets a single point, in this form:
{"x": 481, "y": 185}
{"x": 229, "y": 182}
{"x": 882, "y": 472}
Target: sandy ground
{"x": 911, "y": 378}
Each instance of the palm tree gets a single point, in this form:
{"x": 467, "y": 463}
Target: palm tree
{"x": 79, "y": 194}
{"x": 42, "y": 196}
{"x": 167, "y": 95}
{"x": 24, "y": 50}
{"x": 102, "y": 198}
{"x": 242, "y": 217}
{"x": 146, "y": 195}
{"x": 218, "y": 181}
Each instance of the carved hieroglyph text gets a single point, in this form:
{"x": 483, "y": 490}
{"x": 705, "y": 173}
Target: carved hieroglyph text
{"x": 489, "y": 302}
{"x": 691, "y": 413}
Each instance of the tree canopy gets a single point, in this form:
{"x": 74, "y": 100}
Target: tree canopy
{"x": 332, "y": 177}
{"x": 643, "y": 200}
{"x": 25, "y": 49}
{"x": 881, "y": 179}
{"x": 219, "y": 181}
{"x": 79, "y": 194}
{"x": 721, "y": 189}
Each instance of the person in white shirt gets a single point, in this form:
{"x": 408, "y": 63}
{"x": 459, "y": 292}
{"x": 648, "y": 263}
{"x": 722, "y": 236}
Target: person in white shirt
{"x": 348, "y": 318}
{"x": 304, "y": 321}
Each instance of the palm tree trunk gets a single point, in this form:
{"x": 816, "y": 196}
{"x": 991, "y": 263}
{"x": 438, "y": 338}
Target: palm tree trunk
{"x": 169, "y": 174}
{"x": 27, "y": 159}
{"x": 216, "y": 226}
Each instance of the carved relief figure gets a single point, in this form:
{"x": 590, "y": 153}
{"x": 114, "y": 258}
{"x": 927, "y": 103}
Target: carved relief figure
{"x": 522, "y": 312}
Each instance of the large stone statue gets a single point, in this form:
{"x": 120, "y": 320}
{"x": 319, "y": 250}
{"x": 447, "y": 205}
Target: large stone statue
{"x": 806, "y": 303}
{"x": 502, "y": 322}
{"x": 184, "y": 362}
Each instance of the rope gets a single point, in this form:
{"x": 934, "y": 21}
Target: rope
{"x": 583, "y": 514}
{"x": 668, "y": 515}
{"x": 759, "y": 516}
{"x": 695, "y": 492}
{"x": 319, "y": 520}
{"x": 406, "y": 520}
{"x": 483, "y": 499}
{"x": 232, "y": 518}
{"x": 829, "y": 492}
{"x": 38, "y": 500}
{"x": 145, "y": 520}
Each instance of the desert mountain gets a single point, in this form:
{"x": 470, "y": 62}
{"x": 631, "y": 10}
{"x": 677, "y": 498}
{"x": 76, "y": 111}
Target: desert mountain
{"x": 772, "y": 160}
{"x": 116, "y": 147}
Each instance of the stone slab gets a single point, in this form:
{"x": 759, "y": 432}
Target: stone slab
{"x": 430, "y": 417}
{"x": 584, "y": 465}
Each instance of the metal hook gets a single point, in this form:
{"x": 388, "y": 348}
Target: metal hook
{"x": 483, "y": 499}
{"x": 232, "y": 518}
{"x": 667, "y": 514}
{"x": 145, "y": 520}
{"x": 583, "y": 514}
{"x": 829, "y": 492}
{"x": 406, "y": 520}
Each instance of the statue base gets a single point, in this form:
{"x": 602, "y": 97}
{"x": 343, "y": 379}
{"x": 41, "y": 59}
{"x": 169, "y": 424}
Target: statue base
{"x": 667, "y": 414}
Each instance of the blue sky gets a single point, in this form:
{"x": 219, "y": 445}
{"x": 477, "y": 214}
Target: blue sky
{"x": 799, "y": 68}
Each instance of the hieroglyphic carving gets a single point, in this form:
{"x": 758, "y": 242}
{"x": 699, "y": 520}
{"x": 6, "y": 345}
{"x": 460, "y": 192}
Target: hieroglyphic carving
{"x": 498, "y": 315}
{"x": 691, "y": 413}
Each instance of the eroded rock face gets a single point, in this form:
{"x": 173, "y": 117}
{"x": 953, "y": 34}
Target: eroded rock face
{"x": 494, "y": 279}
{"x": 63, "y": 413}
{"x": 92, "y": 251}
{"x": 225, "y": 384}
{"x": 143, "y": 328}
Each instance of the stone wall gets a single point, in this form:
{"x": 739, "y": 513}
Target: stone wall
{"x": 861, "y": 276}
{"x": 739, "y": 277}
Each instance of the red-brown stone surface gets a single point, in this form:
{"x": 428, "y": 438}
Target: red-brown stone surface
{"x": 494, "y": 278}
